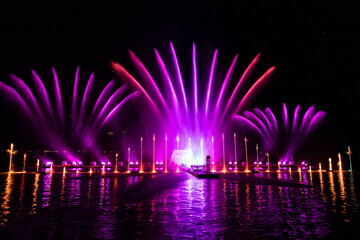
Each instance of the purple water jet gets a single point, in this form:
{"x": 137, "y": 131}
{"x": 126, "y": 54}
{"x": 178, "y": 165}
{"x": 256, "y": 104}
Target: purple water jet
{"x": 266, "y": 125}
{"x": 80, "y": 131}
{"x": 209, "y": 115}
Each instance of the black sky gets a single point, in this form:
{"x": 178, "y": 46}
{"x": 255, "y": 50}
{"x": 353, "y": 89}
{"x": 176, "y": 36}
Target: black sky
{"x": 313, "y": 44}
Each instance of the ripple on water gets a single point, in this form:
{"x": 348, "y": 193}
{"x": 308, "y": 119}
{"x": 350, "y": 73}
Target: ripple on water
{"x": 175, "y": 206}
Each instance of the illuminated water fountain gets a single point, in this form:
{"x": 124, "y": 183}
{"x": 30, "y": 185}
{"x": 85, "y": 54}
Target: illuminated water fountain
{"x": 11, "y": 153}
{"x": 339, "y": 163}
{"x": 330, "y": 165}
{"x": 286, "y": 141}
{"x": 349, "y": 153}
{"x": 66, "y": 135}
{"x": 179, "y": 110}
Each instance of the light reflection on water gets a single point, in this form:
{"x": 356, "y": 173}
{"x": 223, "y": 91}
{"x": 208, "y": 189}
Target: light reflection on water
{"x": 66, "y": 205}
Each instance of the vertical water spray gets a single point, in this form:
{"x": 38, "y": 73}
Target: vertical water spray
{"x": 235, "y": 157}
{"x": 213, "y": 153}
{"x": 339, "y": 163}
{"x": 200, "y": 120}
{"x": 166, "y": 147}
{"x": 116, "y": 163}
{"x": 129, "y": 159}
{"x": 257, "y": 157}
{"x": 349, "y": 153}
{"x": 154, "y": 154}
{"x": 223, "y": 147}
{"x": 246, "y": 156}
{"x": 24, "y": 162}
{"x": 141, "y": 156}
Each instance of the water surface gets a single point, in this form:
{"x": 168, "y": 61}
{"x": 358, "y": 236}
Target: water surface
{"x": 147, "y": 206}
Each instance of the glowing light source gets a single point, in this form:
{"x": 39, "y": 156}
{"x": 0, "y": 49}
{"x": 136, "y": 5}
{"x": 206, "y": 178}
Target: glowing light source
{"x": 166, "y": 139}
{"x": 257, "y": 157}
{"x": 213, "y": 153}
{"x": 11, "y": 152}
{"x": 37, "y": 165}
{"x": 128, "y": 160}
{"x": 349, "y": 153}
{"x": 279, "y": 166}
{"x": 330, "y": 165}
{"x": 223, "y": 145}
{"x": 320, "y": 167}
{"x": 246, "y": 156}
{"x": 116, "y": 163}
{"x": 154, "y": 170}
{"x": 235, "y": 157}
{"x": 268, "y": 162}
{"x": 340, "y": 163}
{"x": 24, "y": 162}
{"x": 141, "y": 155}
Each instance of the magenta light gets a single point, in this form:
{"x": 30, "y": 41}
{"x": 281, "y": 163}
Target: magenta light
{"x": 42, "y": 93}
{"x": 179, "y": 75}
{"x": 254, "y": 88}
{"x": 74, "y": 99}
{"x": 118, "y": 106}
{"x": 123, "y": 74}
{"x": 270, "y": 115}
{"x": 244, "y": 76}
{"x": 285, "y": 118}
{"x": 109, "y": 105}
{"x": 84, "y": 101}
{"x": 27, "y": 95}
{"x": 102, "y": 99}
{"x": 306, "y": 119}
{"x": 286, "y": 145}
{"x": 261, "y": 115}
{"x": 295, "y": 119}
{"x": 240, "y": 119}
{"x": 224, "y": 85}
{"x": 168, "y": 79}
{"x": 210, "y": 81}
{"x": 315, "y": 122}
{"x": 142, "y": 69}
{"x": 253, "y": 118}
{"x": 195, "y": 79}
{"x": 59, "y": 104}
{"x": 13, "y": 95}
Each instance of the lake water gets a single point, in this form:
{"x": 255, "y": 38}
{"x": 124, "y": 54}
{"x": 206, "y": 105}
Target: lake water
{"x": 173, "y": 206}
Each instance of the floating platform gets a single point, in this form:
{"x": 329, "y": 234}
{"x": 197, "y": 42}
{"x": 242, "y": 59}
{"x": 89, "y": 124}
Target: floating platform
{"x": 204, "y": 175}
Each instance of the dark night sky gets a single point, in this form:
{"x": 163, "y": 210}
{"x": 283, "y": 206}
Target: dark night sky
{"x": 313, "y": 44}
